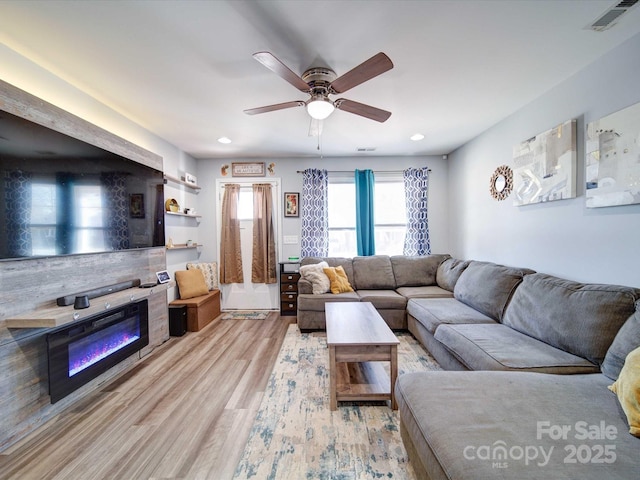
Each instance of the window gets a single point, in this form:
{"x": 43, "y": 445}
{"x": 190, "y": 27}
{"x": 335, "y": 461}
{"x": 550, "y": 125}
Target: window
{"x": 389, "y": 211}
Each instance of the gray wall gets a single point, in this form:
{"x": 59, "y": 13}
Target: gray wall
{"x": 563, "y": 237}
{"x": 285, "y": 169}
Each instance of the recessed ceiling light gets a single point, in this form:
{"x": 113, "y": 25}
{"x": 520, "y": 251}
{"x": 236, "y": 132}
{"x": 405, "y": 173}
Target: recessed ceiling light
{"x": 416, "y": 137}
{"x": 224, "y": 140}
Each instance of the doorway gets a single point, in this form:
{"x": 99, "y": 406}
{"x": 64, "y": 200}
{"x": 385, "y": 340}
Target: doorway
{"x": 248, "y": 295}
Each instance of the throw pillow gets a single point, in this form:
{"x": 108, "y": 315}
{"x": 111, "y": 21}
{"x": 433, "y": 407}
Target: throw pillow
{"x": 627, "y": 387}
{"x": 315, "y": 275}
{"x": 191, "y": 283}
{"x": 338, "y": 278}
{"x": 210, "y": 272}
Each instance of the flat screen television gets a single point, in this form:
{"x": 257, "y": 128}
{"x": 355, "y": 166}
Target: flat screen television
{"x": 62, "y": 196}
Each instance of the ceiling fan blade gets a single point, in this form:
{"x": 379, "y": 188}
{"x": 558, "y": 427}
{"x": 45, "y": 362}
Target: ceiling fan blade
{"x": 280, "y": 69}
{"x": 367, "y": 70}
{"x": 273, "y": 108}
{"x": 361, "y": 109}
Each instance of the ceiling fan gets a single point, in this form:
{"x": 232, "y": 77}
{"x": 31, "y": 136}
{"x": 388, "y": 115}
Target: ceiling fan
{"x": 320, "y": 82}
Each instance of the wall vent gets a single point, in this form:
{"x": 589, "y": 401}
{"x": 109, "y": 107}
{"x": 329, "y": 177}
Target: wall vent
{"x": 611, "y": 16}
{"x": 366, "y": 149}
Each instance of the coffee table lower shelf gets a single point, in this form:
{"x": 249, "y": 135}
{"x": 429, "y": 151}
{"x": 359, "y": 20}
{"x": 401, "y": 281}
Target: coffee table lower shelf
{"x": 357, "y": 374}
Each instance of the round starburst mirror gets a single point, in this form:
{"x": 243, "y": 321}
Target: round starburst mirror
{"x": 501, "y": 183}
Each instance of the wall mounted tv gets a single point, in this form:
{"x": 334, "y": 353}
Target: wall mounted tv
{"x": 62, "y": 196}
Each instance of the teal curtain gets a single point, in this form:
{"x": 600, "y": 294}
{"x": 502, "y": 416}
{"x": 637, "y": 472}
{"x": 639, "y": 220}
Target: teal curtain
{"x": 364, "y": 212}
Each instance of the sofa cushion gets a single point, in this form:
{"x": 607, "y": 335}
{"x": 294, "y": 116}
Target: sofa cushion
{"x": 449, "y": 271}
{"x": 383, "y": 299}
{"x": 487, "y": 287}
{"x": 626, "y": 340}
{"x": 373, "y": 272}
{"x": 430, "y": 291}
{"x": 582, "y": 319}
{"x": 314, "y": 274}
{"x": 627, "y": 388}
{"x": 458, "y": 419}
{"x": 416, "y": 271}
{"x": 433, "y": 312}
{"x": 310, "y": 302}
{"x": 498, "y": 347}
{"x": 338, "y": 279}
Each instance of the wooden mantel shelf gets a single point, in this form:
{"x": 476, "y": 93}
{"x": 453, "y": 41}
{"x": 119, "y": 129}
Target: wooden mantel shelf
{"x": 55, "y": 316}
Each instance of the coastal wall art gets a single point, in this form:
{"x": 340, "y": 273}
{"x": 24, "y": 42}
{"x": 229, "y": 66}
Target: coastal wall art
{"x": 613, "y": 159}
{"x": 544, "y": 166}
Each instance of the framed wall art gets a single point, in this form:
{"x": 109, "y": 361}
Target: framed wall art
{"x": 247, "y": 169}
{"x": 613, "y": 159}
{"x": 291, "y": 204}
{"x": 136, "y": 205}
{"x": 544, "y": 166}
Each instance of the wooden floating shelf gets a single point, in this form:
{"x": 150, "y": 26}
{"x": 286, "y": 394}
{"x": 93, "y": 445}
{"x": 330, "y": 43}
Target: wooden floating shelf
{"x": 55, "y": 316}
{"x": 182, "y": 182}
{"x": 183, "y": 246}
{"x": 183, "y": 214}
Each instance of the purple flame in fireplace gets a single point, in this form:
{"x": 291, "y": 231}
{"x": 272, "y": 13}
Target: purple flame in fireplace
{"x": 93, "y": 348}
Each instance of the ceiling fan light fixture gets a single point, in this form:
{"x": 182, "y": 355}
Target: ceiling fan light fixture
{"x": 320, "y": 108}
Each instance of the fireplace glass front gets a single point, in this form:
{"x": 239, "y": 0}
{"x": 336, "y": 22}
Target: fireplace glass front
{"x": 80, "y": 352}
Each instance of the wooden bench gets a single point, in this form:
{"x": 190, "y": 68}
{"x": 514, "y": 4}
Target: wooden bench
{"x": 201, "y": 311}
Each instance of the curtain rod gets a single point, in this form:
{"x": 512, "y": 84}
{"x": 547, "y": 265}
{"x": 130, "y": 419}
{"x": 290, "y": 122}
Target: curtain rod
{"x": 351, "y": 171}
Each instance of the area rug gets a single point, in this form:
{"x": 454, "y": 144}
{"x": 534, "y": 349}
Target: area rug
{"x": 296, "y": 436}
{"x": 245, "y": 315}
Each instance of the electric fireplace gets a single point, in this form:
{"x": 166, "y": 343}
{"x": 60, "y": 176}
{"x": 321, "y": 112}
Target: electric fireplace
{"x": 80, "y": 352}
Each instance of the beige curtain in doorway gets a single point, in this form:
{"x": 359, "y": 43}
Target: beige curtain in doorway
{"x": 230, "y": 253}
{"x": 263, "y": 268}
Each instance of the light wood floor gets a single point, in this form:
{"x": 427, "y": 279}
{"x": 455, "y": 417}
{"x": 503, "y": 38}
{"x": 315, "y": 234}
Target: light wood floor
{"x": 185, "y": 411}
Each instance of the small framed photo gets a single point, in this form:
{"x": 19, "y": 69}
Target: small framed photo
{"x": 163, "y": 276}
{"x": 189, "y": 178}
{"x": 291, "y": 204}
{"x": 136, "y": 205}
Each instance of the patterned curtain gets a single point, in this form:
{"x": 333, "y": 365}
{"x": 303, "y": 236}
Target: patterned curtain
{"x": 17, "y": 192}
{"x": 365, "y": 227}
{"x": 263, "y": 265}
{"x": 230, "y": 253}
{"x": 314, "y": 241}
{"x": 416, "y": 187}
{"x": 116, "y": 211}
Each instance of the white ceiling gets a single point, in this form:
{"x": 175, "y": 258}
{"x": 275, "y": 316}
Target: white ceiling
{"x": 184, "y": 69}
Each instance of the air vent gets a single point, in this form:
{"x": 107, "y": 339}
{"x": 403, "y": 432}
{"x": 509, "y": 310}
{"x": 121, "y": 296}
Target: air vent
{"x": 366, "y": 149}
{"x": 611, "y": 16}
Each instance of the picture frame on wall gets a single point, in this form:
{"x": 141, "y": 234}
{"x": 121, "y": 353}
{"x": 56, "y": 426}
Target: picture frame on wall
{"x": 247, "y": 169}
{"x": 292, "y": 204}
{"x": 136, "y": 205}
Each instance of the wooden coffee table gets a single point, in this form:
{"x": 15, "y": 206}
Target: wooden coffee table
{"x": 357, "y": 333}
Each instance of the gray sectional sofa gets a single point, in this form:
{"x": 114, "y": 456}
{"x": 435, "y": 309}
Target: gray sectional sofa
{"x": 527, "y": 357}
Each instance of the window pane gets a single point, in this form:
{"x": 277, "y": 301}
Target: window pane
{"x": 342, "y": 205}
{"x": 43, "y": 203}
{"x": 88, "y": 206}
{"x": 390, "y": 240}
{"x": 389, "y": 206}
{"x": 342, "y": 243}
{"x": 90, "y": 240}
{"x": 245, "y": 205}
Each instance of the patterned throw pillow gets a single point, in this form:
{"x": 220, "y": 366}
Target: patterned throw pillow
{"x": 210, "y": 272}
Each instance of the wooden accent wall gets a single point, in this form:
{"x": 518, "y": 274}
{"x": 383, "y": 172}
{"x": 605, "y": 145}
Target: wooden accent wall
{"x": 31, "y": 284}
